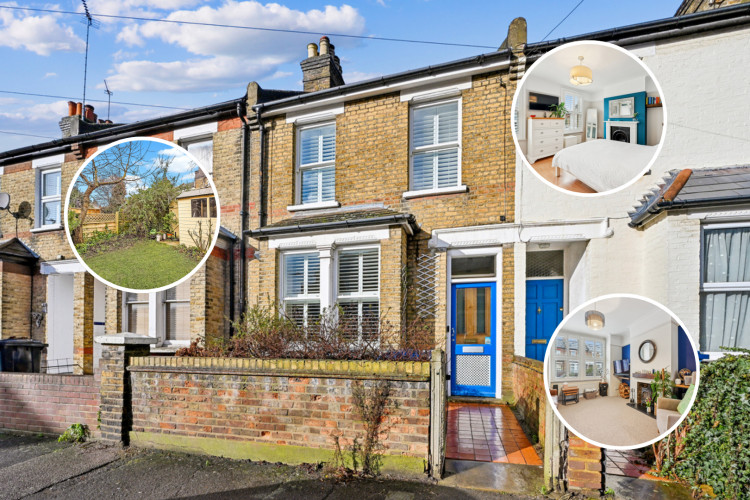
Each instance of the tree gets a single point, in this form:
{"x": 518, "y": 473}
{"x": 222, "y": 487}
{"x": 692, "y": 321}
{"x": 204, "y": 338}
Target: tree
{"x": 110, "y": 197}
{"x": 117, "y": 165}
{"x": 149, "y": 208}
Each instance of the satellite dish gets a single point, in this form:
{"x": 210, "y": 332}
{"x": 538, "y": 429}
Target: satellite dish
{"x": 24, "y": 210}
{"x": 4, "y": 201}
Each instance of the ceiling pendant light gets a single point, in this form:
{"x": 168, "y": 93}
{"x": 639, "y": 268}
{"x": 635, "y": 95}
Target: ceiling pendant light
{"x": 594, "y": 319}
{"x": 581, "y": 75}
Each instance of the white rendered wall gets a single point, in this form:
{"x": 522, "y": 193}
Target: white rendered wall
{"x": 703, "y": 80}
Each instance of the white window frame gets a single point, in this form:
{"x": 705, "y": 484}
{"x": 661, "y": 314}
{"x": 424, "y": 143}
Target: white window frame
{"x": 579, "y": 358}
{"x": 359, "y": 297}
{"x": 41, "y": 199}
{"x": 458, "y": 144}
{"x": 157, "y": 319}
{"x": 735, "y": 286}
{"x": 185, "y": 142}
{"x": 299, "y": 168}
{"x": 305, "y": 298}
{"x": 579, "y": 129}
{"x": 162, "y": 298}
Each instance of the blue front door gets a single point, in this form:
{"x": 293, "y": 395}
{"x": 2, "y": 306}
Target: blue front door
{"x": 473, "y": 340}
{"x": 544, "y": 311}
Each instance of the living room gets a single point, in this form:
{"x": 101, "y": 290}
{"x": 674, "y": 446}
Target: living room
{"x": 621, "y": 371}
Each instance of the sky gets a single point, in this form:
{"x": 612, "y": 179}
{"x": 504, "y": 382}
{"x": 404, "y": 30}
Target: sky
{"x": 181, "y": 169}
{"x": 182, "y": 66}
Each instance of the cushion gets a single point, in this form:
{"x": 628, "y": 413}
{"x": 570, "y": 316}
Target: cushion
{"x": 683, "y": 406}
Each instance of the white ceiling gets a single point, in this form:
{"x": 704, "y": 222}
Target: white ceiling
{"x": 622, "y": 315}
{"x": 609, "y": 66}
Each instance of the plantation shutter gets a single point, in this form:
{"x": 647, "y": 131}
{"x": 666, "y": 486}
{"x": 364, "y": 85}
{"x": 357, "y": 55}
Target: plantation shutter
{"x": 318, "y": 149}
{"x": 573, "y": 107}
{"x": 435, "y": 134}
{"x": 358, "y": 272}
{"x": 358, "y": 286}
{"x": 302, "y": 287}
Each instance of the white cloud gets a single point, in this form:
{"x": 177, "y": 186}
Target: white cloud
{"x": 51, "y": 111}
{"x": 358, "y": 76}
{"x": 223, "y": 57}
{"x": 41, "y": 34}
{"x": 51, "y": 74}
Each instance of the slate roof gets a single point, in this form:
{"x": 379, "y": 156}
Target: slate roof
{"x": 705, "y": 187}
{"x": 336, "y": 219}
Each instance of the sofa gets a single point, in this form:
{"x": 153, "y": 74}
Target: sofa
{"x": 666, "y": 413}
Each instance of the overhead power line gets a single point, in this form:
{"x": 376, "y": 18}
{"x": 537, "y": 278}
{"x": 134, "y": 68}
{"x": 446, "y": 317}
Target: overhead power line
{"x": 562, "y": 20}
{"x": 27, "y": 135}
{"x": 255, "y": 28}
{"x": 92, "y": 100}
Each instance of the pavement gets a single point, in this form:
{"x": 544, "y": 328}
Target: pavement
{"x": 37, "y": 467}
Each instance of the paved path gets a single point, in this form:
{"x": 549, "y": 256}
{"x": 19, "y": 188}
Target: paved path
{"x": 39, "y": 468}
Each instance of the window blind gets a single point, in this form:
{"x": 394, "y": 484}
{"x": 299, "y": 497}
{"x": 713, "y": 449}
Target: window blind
{"x": 435, "y": 136}
{"x": 316, "y": 157}
{"x": 302, "y": 287}
{"x": 204, "y": 153}
{"x": 358, "y": 292}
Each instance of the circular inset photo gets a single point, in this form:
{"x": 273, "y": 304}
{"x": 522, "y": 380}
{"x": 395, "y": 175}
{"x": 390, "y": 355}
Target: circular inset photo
{"x": 589, "y": 118}
{"x": 621, "y": 371}
{"x": 142, "y": 215}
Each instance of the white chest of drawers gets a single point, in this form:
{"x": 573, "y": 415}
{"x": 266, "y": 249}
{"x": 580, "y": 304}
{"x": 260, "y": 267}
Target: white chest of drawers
{"x": 544, "y": 137}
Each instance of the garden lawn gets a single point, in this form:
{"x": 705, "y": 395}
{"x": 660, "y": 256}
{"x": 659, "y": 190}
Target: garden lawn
{"x": 143, "y": 265}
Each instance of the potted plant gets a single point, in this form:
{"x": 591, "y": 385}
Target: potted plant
{"x": 558, "y": 110}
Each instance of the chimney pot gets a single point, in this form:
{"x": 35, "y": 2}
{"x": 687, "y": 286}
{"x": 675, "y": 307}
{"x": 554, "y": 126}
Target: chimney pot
{"x": 312, "y": 50}
{"x": 324, "y": 45}
{"x": 79, "y": 109}
{"x": 89, "y": 113}
{"x": 71, "y": 108}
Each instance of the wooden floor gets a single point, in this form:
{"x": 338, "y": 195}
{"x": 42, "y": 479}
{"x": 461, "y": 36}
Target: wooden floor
{"x": 566, "y": 180}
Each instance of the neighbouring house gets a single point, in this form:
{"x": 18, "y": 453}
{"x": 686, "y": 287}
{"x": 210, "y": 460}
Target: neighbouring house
{"x": 574, "y": 249}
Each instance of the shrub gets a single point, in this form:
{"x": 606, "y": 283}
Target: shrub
{"x": 76, "y": 433}
{"x": 266, "y": 332}
{"x": 97, "y": 241}
{"x": 712, "y": 445}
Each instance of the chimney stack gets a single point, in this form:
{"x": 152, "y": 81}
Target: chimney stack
{"x": 321, "y": 70}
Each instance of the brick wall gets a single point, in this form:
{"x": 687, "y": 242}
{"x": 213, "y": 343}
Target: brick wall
{"x": 213, "y": 403}
{"x": 584, "y": 466}
{"x": 48, "y": 403}
{"x": 528, "y": 394}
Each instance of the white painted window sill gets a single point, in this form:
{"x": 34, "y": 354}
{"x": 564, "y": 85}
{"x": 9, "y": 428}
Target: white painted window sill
{"x": 46, "y": 228}
{"x": 435, "y": 192}
{"x": 313, "y": 206}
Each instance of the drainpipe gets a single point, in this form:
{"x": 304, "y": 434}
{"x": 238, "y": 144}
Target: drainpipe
{"x": 241, "y": 113}
{"x": 261, "y": 152}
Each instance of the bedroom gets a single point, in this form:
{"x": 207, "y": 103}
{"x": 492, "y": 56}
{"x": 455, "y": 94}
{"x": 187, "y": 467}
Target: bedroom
{"x": 596, "y": 135}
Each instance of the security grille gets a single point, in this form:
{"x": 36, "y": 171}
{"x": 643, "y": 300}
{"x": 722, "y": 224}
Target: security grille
{"x": 544, "y": 264}
{"x": 473, "y": 370}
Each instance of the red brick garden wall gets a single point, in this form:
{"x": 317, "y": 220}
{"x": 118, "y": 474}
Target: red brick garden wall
{"x": 36, "y": 402}
{"x": 275, "y": 402}
{"x": 528, "y": 391}
{"x": 584, "y": 465}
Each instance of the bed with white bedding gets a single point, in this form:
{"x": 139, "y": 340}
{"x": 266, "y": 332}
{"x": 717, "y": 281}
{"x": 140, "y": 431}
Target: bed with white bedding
{"x": 603, "y": 164}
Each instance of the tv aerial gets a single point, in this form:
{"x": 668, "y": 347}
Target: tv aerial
{"x": 23, "y": 211}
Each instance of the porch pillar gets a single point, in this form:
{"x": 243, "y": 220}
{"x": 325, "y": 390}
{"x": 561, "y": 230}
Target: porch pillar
{"x": 83, "y": 324}
{"x": 115, "y": 389}
{"x": 327, "y": 300}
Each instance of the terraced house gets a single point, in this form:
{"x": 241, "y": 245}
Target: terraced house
{"x": 379, "y": 197}
{"x": 47, "y": 294}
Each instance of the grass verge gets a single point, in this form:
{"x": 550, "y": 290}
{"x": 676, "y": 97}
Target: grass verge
{"x": 142, "y": 265}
